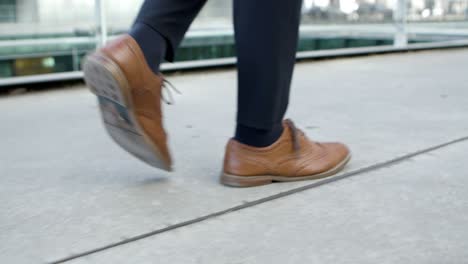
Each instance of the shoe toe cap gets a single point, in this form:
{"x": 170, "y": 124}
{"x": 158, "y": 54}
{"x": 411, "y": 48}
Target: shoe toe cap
{"x": 334, "y": 155}
{"x": 338, "y": 151}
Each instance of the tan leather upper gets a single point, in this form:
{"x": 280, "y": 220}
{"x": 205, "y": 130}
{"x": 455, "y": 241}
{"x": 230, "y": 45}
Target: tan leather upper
{"x": 145, "y": 89}
{"x": 284, "y": 157}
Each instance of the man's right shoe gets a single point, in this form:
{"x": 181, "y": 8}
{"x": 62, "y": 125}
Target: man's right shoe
{"x": 129, "y": 97}
{"x": 293, "y": 157}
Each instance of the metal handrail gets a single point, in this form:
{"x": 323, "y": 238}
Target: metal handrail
{"x": 47, "y": 41}
{"x": 223, "y": 62}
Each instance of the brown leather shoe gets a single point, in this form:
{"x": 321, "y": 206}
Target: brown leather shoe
{"x": 292, "y": 157}
{"x": 129, "y": 96}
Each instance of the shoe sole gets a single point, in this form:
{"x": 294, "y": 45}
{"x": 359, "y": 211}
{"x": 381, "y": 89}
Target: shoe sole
{"x": 107, "y": 81}
{"x": 251, "y": 181}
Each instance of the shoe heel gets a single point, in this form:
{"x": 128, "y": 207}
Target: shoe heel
{"x": 244, "y": 181}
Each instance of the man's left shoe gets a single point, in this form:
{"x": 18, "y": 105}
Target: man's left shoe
{"x": 293, "y": 157}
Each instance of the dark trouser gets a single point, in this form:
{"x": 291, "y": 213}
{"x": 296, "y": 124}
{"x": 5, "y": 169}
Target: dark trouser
{"x": 266, "y": 34}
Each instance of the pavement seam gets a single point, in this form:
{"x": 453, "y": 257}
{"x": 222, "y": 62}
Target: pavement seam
{"x": 374, "y": 167}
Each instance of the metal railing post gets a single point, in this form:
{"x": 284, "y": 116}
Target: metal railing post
{"x": 101, "y": 23}
{"x": 75, "y": 59}
{"x": 399, "y": 18}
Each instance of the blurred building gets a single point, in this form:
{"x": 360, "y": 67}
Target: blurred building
{"x": 69, "y": 15}
{"x": 382, "y": 10}
{"x": 36, "y": 16}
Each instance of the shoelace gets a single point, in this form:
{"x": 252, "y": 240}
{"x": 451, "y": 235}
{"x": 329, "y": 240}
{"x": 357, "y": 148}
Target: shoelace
{"x": 295, "y": 133}
{"x": 168, "y": 86}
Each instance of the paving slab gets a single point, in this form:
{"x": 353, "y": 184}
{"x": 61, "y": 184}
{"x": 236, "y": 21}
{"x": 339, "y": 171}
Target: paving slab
{"x": 414, "y": 212}
{"x": 66, "y": 188}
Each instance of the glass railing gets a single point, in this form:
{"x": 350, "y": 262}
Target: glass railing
{"x": 40, "y": 37}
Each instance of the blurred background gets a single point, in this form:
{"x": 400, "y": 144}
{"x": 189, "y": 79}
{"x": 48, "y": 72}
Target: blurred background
{"x": 42, "y": 40}
{"x": 67, "y": 191}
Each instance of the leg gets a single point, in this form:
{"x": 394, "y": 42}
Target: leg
{"x": 160, "y": 27}
{"x": 267, "y": 149}
{"x": 266, "y": 33}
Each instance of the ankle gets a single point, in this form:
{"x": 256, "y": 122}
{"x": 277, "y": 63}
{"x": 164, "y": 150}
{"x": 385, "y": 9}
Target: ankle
{"x": 151, "y": 42}
{"x": 257, "y": 137}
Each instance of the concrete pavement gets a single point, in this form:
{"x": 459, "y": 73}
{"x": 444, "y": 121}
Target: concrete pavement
{"x": 411, "y": 213}
{"x": 67, "y": 190}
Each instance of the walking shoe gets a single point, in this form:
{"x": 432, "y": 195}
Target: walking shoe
{"x": 292, "y": 157}
{"x": 129, "y": 97}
